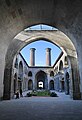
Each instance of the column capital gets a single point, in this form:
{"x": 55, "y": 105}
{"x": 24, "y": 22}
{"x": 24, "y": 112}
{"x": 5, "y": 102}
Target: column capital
{"x": 32, "y": 49}
{"x": 48, "y": 49}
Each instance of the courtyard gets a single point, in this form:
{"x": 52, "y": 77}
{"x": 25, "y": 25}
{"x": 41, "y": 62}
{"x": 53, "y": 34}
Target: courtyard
{"x": 41, "y": 108}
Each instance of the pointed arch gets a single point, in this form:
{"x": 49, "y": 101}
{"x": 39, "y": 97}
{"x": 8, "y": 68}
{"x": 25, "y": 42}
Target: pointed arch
{"x": 52, "y": 74}
{"x": 61, "y": 65}
{"x": 41, "y": 77}
{"x": 30, "y": 74}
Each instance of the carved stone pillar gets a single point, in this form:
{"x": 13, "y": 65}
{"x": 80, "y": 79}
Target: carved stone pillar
{"x": 32, "y": 56}
{"x": 48, "y": 56}
{"x": 75, "y": 79}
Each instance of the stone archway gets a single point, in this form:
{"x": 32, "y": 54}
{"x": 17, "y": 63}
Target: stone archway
{"x": 41, "y": 77}
{"x": 65, "y": 15}
{"x": 30, "y": 85}
{"x": 37, "y": 35}
{"x": 51, "y": 84}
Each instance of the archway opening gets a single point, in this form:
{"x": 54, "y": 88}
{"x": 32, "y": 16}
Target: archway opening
{"x": 30, "y": 85}
{"x": 20, "y": 75}
{"x": 52, "y": 74}
{"x": 40, "y": 85}
{"x": 35, "y": 53}
{"x": 51, "y": 85}
{"x": 30, "y": 74}
{"x": 26, "y": 37}
{"x": 41, "y": 78}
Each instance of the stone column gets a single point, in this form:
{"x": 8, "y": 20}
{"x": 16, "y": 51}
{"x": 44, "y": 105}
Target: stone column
{"x": 74, "y": 82}
{"x": 32, "y": 56}
{"x": 48, "y": 56}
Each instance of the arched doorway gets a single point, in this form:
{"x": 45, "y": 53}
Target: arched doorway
{"x": 30, "y": 84}
{"x": 41, "y": 77}
{"x": 20, "y": 75}
{"x": 21, "y": 70}
{"x": 51, "y": 84}
{"x": 40, "y": 85}
{"x": 41, "y": 36}
{"x": 62, "y": 85}
{"x": 52, "y": 74}
{"x": 54, "y": 13}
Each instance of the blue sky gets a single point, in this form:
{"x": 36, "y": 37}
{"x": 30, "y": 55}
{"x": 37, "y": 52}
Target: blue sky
{"x": 40, "y": 53}
{"x": 40, "y": 46}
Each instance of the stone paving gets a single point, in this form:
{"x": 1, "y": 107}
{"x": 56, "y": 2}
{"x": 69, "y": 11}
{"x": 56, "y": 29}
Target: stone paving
{"x": 41, "y": 108}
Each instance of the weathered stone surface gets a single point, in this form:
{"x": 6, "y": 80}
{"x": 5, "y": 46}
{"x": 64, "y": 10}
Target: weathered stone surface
{"x": 15, "y": 15}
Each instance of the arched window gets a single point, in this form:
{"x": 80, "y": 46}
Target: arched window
{"x": 51, "y": 85}
{"x": 30, "y": 74}
{"x": 41, "y": 76}
{"x": 51, "y": 73}
{"x": 16, "y": 63}
{"x": 61, "y": 65}
{"x": 66, "y": 60}
{"x": 67, "y": 75}
{"x": 21, "y": 70}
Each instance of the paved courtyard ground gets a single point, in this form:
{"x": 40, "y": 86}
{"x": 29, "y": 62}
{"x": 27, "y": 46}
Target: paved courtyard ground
{"x": 41, "y": 108}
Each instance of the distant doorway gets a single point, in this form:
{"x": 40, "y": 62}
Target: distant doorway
{"x": 30, "y": 85}
{"x": 51, "y": 85}
{"x": 62, "y": 85}
{"x": 40, "y": 84}
{"x": 41, "y": 80}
